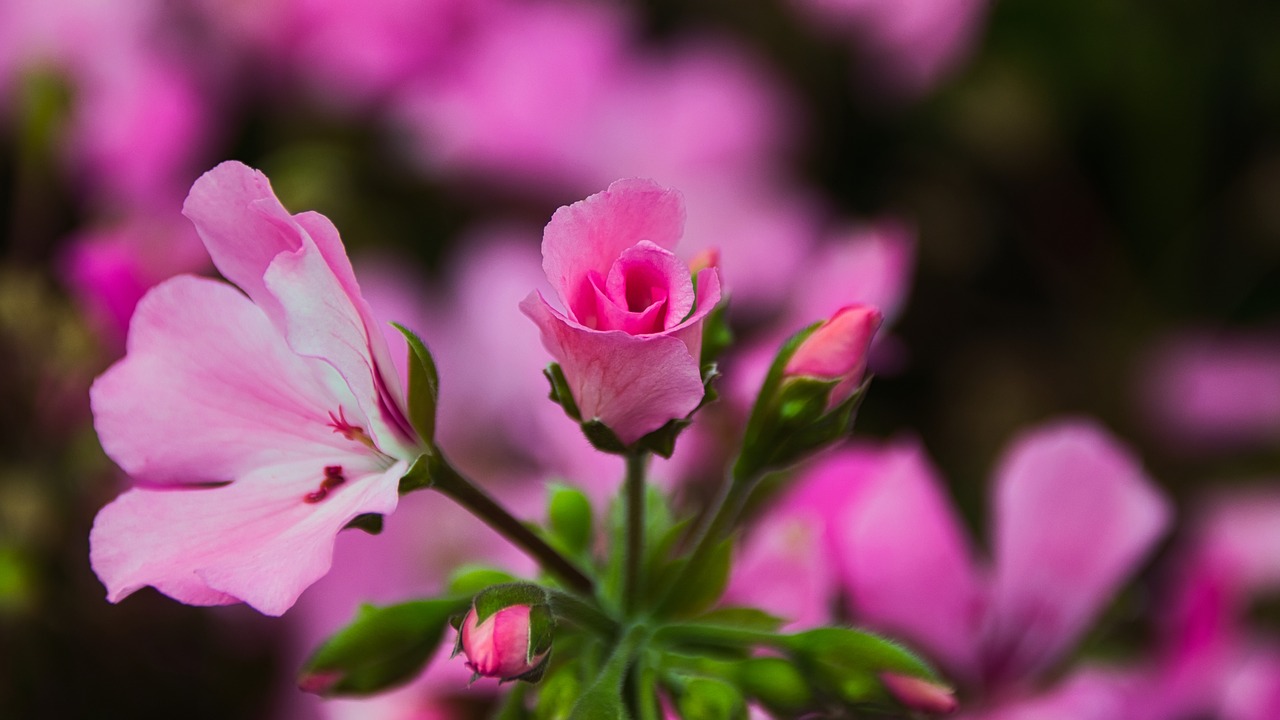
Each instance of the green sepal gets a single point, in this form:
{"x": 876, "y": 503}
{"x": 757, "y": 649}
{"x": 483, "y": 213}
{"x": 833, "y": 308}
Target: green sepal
{"x": 471, "y": 579}
{"x": 420, "y": 474}
{"x": 848, "y": 662}
{"x": 707, "y": 698}
{"x": 661, "y": 442}
{"x": 424, "y": 386}
{"x": 382, "y": 648}
{"x": 790, "y": 419}
{"x": 561, "y": 394}
{"x": 541, "y": 622}
{"x": 534, "y": 675}
{"x": 569, "y": 517}
{"x": 368, "y": 522}
{"x": 492, "y": 599}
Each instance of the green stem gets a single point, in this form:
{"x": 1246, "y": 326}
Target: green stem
{"x": 635, "y": 501}
{"x": 448, "y": 481}
{"x": 716, "y": 526}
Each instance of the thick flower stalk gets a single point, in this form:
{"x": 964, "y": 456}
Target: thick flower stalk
{"x": 256, "y": 422}
{"x": 629, "y": 339}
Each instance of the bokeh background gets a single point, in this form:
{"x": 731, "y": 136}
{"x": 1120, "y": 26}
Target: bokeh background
{"x": 1067, "y": 206}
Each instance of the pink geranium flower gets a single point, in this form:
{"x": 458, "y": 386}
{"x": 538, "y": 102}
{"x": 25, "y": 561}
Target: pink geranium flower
{"x": 630, "y": 337}
{"x": 255, "y": 427}
{"x": 1073, "y": 512}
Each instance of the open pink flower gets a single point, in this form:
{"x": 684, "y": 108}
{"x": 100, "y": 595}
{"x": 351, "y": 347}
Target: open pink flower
{"x": 630, "y": 338}
{"x": 1073, "y": 515}
{"x": 255, "y": 427}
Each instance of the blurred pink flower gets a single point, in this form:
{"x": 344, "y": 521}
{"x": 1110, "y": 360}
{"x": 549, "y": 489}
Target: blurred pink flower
{"x": 911, "y": 45}
{"x": 257, "y": 427}
{"x": 630, "y": 338}
{"x": 1212, "y": 662}
{"x": 139, "y": 118}
{"x": 1073, "y": 515}
{"x": 558, "y": 99}
{"x": 1214, "y": 391}
{"x": 109, "y": 269}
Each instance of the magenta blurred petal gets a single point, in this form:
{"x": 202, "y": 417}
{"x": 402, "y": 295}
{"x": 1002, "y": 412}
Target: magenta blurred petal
{"x": 908, "y": 562}
{"x": 1074, "y": 515}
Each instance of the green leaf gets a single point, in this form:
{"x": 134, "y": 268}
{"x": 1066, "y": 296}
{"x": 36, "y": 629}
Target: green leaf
{"x": 741, "y": 617}
{"x": 383, "y": 647}
{"x": 710, "y": 577}
{"x": 849, "y": 662}
{"x": 570, "y": 518}
{"x": 471, "y": 579}
{"x": 424, "y": 386}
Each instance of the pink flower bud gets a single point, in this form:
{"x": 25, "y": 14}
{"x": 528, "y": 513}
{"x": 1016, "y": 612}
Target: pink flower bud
{"x": 837, "y": 350}
{"x": 500, "y": 646}
{"x": 920, "y": 694}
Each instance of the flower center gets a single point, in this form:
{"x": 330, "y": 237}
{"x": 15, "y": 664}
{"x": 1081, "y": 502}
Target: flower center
{"x": 340, "y": 425}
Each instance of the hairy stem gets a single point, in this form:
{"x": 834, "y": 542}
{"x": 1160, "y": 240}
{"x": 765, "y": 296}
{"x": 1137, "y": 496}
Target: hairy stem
{"x": 635, "y": 501}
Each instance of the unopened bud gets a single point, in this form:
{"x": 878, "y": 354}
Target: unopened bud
{"x": 920, "y": 694}
{"x": 501, "y": 646}
{"x": 837, "y": 351}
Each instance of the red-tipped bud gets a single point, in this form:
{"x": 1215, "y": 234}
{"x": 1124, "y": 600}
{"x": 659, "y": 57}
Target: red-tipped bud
{"x": 837, "y": 350}
{"x": 501, "y": 646}
{"x": 920, "y": 694}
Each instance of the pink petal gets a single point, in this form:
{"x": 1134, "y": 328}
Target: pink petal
{"x": 209, "y": 391}
{"x": 689, "y": 332}
{"x": 295, "y": 269}
{"x": 784, "y": 568}
{"x": 633, "y": 384}
{"x": 1074, "y": 515}
{"x": 590, "y": 234}
{"x": 645, "y": 274}
{"x": 907, "y": 560}
{"x": 255, "y": 540}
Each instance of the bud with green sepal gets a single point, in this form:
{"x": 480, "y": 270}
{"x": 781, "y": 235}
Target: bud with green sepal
{"x": 507, "y": 633}
{"x": 812, "y": 392}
